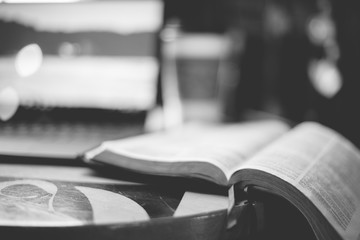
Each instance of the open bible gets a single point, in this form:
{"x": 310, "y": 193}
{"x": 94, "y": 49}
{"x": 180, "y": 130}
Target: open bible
{"x": 313, "y": 167}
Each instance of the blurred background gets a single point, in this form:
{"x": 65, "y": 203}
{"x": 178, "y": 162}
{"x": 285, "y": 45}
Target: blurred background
{"x": 294, "y": 59}
{"x": 219, "y": 60}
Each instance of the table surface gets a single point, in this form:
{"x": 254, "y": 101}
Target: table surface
{"x": 38, "y": 198}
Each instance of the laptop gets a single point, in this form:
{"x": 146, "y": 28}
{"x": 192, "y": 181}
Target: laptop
{"x": 75, "y": 73}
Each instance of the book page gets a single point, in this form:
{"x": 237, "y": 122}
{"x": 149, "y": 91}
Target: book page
{"x": 325, "y": 167}
{"x": 224, "y": 145}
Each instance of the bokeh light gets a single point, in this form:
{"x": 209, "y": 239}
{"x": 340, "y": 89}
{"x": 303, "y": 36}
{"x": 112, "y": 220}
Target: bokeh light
{"x": 28, "y": 60}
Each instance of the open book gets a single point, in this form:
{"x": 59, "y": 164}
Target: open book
{"x": 310, "y": 165}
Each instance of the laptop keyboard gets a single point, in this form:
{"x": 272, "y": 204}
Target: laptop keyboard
{"x": 62, "y": 130}
{"x": 58, "y": 138}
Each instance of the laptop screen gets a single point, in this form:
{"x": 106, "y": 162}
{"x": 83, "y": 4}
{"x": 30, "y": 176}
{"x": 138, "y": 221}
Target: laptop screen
{"x": 85, "y": 54}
